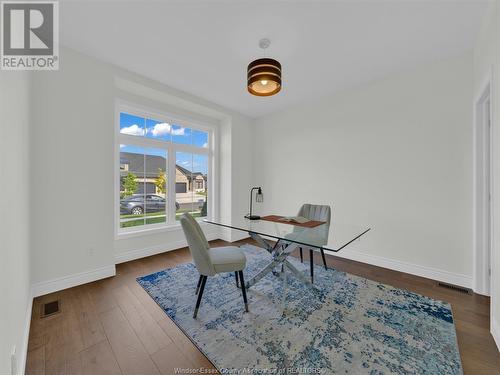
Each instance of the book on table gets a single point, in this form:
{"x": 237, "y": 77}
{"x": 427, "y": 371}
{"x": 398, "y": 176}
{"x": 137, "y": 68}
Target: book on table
{"x": 294, "y": 219}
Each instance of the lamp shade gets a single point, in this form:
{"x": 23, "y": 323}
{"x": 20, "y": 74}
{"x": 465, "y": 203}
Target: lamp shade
{"x": 264, "y": 77}
{"x": 259, "y": 197}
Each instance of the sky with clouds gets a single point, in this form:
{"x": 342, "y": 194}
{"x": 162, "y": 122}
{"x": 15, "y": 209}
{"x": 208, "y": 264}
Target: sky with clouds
{"x": 138, "y": 126}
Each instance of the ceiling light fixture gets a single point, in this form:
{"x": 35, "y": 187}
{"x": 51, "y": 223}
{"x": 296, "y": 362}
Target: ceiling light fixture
{"x": 264, "y": 75}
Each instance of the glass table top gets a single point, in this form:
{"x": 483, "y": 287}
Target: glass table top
{"x": 333, "y": 237}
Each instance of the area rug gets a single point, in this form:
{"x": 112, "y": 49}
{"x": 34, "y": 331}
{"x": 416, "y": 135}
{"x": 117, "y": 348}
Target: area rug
{"x": 350, "y": 326}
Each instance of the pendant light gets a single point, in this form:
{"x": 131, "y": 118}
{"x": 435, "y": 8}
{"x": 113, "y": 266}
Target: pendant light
{"x": 264, "y": 75}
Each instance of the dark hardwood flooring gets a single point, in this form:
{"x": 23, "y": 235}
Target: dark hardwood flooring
{"x": 112, "y": 326}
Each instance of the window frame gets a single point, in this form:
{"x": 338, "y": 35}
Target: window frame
{"x": 171, "y": 149}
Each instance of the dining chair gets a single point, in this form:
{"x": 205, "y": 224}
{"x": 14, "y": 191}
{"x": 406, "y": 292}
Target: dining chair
{"x": 320, "y": 213}
{"x": 212, "y": 261}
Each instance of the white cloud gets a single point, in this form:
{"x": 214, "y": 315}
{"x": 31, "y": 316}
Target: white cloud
{"x": 178, "y": 131}
{"x": 132, "y": 130}
{"x": 160, "y": 129}
{"x": 122, "y": 146}
{"x": 205, "y": 144}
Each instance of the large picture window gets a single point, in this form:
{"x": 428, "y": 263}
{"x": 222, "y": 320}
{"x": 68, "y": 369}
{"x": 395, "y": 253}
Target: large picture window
{"x": 165, "y": 168}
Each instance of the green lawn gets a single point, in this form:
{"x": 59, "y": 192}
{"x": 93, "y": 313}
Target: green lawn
{"x": 146, "y": 219}
{"x": 134, "y": 223}
{"x": 130, "y": 216}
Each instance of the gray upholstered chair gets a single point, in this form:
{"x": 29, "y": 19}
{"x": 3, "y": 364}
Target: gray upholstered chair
{"x": 211, "y": 261}
{"x": 320, "y": 213}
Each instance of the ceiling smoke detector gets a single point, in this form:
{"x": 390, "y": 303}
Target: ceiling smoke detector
{"x": 264, "y": 43}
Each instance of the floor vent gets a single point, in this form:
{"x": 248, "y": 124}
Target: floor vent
{"x": 50, "y": 308}
{"x": 455, "y": 288}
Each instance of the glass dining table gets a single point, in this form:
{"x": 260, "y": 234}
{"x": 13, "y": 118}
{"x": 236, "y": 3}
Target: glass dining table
{"x": 280, "y": 239}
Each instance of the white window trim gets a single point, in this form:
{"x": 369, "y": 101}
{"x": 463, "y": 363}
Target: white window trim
{"x": 170, "y": 148}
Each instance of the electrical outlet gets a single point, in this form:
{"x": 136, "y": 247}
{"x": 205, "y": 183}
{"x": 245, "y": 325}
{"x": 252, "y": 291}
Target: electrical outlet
{"x": 91, "y": 251}
{"x": 13, "y": 361}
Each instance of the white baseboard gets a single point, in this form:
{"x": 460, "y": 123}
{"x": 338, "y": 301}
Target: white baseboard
{"x": 237, "y": 236}
{"x": 232, "y": 235}
{"x": 157, "y": 249}
{"x": 414, "y": 269}
{"x": 54, "y": 285}
{"x": 481, "y": 291}
{"x": 495, "y": 331}
{"x": 225, "y": 234}
{"x": 26, "y": 335}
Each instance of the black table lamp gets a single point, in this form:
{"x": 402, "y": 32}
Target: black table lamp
{"x": 259, "y": 197}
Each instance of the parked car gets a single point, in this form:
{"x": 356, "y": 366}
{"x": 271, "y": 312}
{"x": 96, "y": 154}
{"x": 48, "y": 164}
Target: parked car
{"x": 134, "y": 205}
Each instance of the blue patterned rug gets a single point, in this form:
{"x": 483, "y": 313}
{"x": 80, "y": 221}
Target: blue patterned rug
{"x": 353, "y": 325}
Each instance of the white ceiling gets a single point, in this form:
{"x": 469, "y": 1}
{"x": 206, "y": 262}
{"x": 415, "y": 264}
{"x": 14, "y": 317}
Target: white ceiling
{"x": 203, "y": 47}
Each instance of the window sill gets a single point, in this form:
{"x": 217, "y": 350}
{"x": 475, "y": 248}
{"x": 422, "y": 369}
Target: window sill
{"x": 152, "y": 231}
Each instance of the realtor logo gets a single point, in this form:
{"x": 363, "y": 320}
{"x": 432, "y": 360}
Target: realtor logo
{"x": 30, "y": 35}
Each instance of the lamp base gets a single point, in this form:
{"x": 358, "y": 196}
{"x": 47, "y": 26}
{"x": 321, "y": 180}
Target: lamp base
{"x": 252, "y": 217}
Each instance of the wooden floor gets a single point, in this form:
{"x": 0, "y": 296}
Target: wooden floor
{"x": 112, "y": 326}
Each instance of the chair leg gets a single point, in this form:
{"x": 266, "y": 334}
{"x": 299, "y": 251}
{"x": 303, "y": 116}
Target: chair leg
{"x": 311, "y": 261}
{"x": 243, "y": 290}
{"x": 301, "y": 255}
{"x": 324, "y": 259}
{"x": 200, "y": 294}
{"x": 236, "y": 278}
{"x": 198, "y": 286}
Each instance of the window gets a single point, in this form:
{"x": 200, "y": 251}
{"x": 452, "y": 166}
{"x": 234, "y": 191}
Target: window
{"x": 164, "y": 170}
{"x": 191, "y": 196}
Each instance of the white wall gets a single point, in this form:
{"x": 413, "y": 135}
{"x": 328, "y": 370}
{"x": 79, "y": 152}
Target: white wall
{"x": 73, "y": 165}
{"x": 395, "y": 155}
{"x": 486, "y": 65}
{"x": 15, "y": 185}
{"x": 72, "y": 169}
